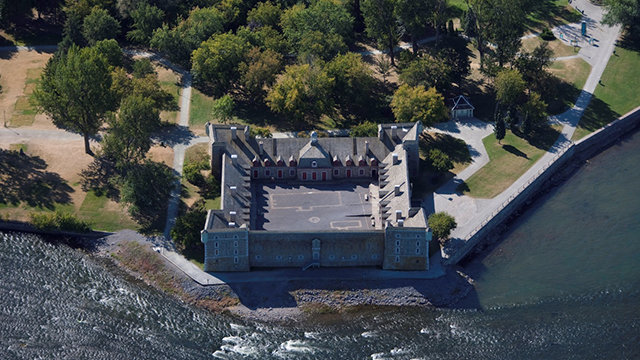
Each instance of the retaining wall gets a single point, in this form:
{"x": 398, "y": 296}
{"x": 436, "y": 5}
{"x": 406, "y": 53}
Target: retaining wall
{"x": 585, "y": 147}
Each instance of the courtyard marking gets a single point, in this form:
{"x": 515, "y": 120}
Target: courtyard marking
{"x": 358, "y": 224}
{"x": 324, "y": 196}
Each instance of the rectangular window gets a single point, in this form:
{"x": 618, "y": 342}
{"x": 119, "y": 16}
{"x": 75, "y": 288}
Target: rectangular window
{"x": 324, "y": 175}
{"x": 361, "y": 172}
{"x": 235, "y": 244}
{"x": 397, "y": 259}
{"x": 418, "y": 251}
{"x": 292, "y": 172}
{"x": 267, "y": 172}
{"x": 304, "y": 175}
{"x": 255, "y": 174}
{"x": 314, "y": 175}
{"x": 348, "y": 173}
{"x": 235, "y": 260}
{"x": 279, "y": 174}
{"x": 216, "y": 252}
{"x": 336, "y": 172}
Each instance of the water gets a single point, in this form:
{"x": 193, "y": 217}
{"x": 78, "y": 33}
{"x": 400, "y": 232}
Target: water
{"x": 564, "y": 283}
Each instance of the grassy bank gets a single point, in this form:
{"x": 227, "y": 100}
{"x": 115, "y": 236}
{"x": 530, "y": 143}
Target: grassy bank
{"x": 509, "y": 160}
{"x": 617, "y": 94}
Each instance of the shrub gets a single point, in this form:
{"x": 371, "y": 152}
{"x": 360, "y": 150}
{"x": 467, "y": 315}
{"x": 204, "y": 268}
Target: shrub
{"x": 365, "y": 129}
{"x": 59, "y": 221}
{"x": 439, "y": 162}
{"x": 441, "y": 225}
{"x": 187, "y": 228}
{"x": 257, "y": 131}
{"x": 193, "y": 175}
{"x": 547, "y": 35}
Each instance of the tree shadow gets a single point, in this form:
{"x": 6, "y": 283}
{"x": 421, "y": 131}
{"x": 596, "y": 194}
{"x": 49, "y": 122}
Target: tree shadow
{"x": 172, "y": 135}
{"x": 24, "y": 179}
{"x": 544, "y": 137}
{"x": 545, "y": 12}
{"x": 513, "y": 150}
{"x": 456, "y": 149}
{"x": 597, "y": 115}
{"x": 629, "y": 42}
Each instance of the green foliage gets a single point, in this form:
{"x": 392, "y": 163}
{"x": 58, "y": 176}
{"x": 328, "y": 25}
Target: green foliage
{"x": 259, "y": 70}
{"x": 353, "y": 82}
{"x": 364, "y": 129}
{"x": 265, "y": 14}
{"x": 547, "y": 35}
{"x": 180, "y": 41}
{"x": 455, "y": 54}
{"x": 142, "y": 68}
{"x": 110, "y": 50}
{"x": 302, "y": 91}
{"x": 322, "y": 29}
{"x": 509, "y": 86}
{"x": 99, "y": 25}
{"x": 223, "y": 109}
{"x": 146, "y": 86}
{"x": 128, "y": 138}
{"x": 439, "y": 162}
{"x": 380, "y": 19}
{"x": 215, "y": 62}
{"x": 625, "y": 13}
{"x": 257, "y": 131}
{"x": 186, "y": 230}
{"x": 412, "y": 104}
{"x": 146, "y": 190}
{"x": 59, "y": 221}
{"x": 146, "y": 18}
{"x": 428, "y": 72}
{"x": 441, "y": 225}
{"x": 75, "y": 91}
{"x": 532, "y": 66}
{"x": 535, "y": 109}
{"x": 414, "y": 15}
{"x": 192, "y": 173}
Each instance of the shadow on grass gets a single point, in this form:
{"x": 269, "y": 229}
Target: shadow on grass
{"x": 545, "y": 12}
{"x": 544, "y": 137}
{"x": 456, "y": 149}
{"x": 513, "y": 150}
{"x": 483, "y": 100}
{"x": 563, "y": 96}
{"x": 24, "y": 178}
{"x": 630, "y": 43}
{"x": 597, "y": 115}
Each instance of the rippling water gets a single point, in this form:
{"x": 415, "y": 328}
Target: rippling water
{"x": 564, "y": 283}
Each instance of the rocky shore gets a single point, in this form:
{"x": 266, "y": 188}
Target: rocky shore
{"x": 288, "y": 301}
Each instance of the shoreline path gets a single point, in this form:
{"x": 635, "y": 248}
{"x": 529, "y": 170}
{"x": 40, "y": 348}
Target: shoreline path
{"x": 469, "y": 212}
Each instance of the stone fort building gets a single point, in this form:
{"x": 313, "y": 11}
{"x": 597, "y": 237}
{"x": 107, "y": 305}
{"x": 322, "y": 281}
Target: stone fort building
{"x": 315, "y": 202}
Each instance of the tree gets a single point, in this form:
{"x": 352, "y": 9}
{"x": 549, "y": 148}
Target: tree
{"x": 509, "y": 86}
{"x": 75, "y": 91}
{"x": 410, "y": 104}
{"x": 179, "y": 42}
{"x": 326, "y": 22}
{"x": 302, "y": 91}
{"x": 353, "y": 81}
{"x": 623, "y": 12}
{"x": 265, "y": 14}
{"x": 215, "y": 62}
{"x": 186, "y": 231}
{"x": 455, "y": 54}
{"x": 532, "y": 65}
{"x": 146, "y": 18}
{"x": 146, "y": 190}
{"x": 99, "y": 25}
{"x": 412, "y": 14}
{"x": 364, "y": 129}
{"x": 383, "y": 67}
{"x": 128, "y": 138}
{"x": 223, "y": 109}
{"x": 439, "y": 162}
{"x": 259, "y": 70}
{"x": 110, "y": 50}
{"x": 535, "y": 109}
{"x": 441, "y": 225}
{"x": 142, "y": 68}
{"x": 500, "y": 128}
{"x": 379, "y": 17}
{"x": 428, "y": 72}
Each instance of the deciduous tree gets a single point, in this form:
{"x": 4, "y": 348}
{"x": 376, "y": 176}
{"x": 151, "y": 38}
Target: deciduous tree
{"x": 99, "y": 25}
{"x": 364, "y": 129}
{"x": 223, "y": 109}
{"x": 509, "y": 86}
{"x": 259, "y": 70}
{"x": 265, "y": 14}
{"x": 75, "y": 91}
{"x": 380, "y": 19}
{"x": 215, "y": 62}
{"x": 428, "y": 72}
{"x": 441, "y": 225}
{"x": 146, "y": 18}
{"x": 412, "y": 104}
{"x": 500, "y": 128}
{"x": 146, "y": 191}
{"x": 353, "y": 81}
{"x": 625, "y": 13}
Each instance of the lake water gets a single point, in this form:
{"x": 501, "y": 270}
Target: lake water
{"x": 564, "y": 283}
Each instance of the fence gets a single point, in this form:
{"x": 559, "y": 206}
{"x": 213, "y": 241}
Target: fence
{"x": 585, "y": 147}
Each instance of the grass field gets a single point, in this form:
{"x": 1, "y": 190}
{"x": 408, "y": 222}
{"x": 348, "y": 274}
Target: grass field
{"x": 509, "y": 160}
{"x": 174, "y": 89}
{"x": 102, "y": 215}
{"x": 558, "y": 48}
{"x": 618, "y": 94}
{"x": 23, "y": 112}
{"x": 457, "y": 151}
{"x": 201, "y": 106}
{"x": 573, "y": 75}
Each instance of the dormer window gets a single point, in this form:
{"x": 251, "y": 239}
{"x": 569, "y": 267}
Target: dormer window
{"x": 255, "y": 162}
{"x": 267, "y": 162}
{"x": 314, "y": 164}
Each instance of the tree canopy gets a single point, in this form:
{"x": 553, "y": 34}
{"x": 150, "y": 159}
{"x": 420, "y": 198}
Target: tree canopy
{"x": 412, "y": 104}
{"x": 441, "y": 225}
{"x": 509, "y": 86}
{"x": 625, "y": 13}
{"x": 75, "y": 91}
{"x": 215, "y": 62}
{"x": 99, "y": 25}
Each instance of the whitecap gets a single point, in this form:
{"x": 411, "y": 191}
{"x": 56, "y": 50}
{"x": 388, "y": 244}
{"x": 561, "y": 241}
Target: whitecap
{"x": 369, "y": 334}
{"x": 296, "y": 346}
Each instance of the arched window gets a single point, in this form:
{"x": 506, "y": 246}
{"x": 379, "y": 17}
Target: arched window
{"x": 314, "y": 164}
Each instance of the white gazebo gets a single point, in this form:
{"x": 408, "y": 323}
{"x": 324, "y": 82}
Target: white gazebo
{"x": 461, "y": 107}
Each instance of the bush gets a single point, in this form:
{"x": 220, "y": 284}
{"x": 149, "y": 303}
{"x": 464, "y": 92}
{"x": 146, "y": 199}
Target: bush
{"x": 441, "y": 225}
{"x": 59, "y": 221}
{"x": 257, "y": 131}
{"x": 193, "y": 175}
{"x": 187, "y": 229}
{"x": 439, "y": 162}
{"x": 547, "y": 35}
{"x": 211, "y": 188}
{"x": 365, "y": 129}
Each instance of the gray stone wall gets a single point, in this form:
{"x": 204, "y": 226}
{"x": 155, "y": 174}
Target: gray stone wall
{"x": 226, "y": 250}
{"x": 406, "y": 248}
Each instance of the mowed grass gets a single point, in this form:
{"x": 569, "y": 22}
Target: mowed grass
{"x": 574, "y": 71}
{"x": 201, "y": 107}
{"x": 173, "y": 88}
{"x": 508, "y": 161}
{"x": 23, "y": 112}
{"x": 558, "y": 48}
{"x": 95, "y": 210}
{"x": 457, "y": 151}
{"x": 618, "y": 94}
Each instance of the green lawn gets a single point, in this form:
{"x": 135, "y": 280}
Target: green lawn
{"x": 572, "y": 75}
{"x": 457, "y": 151}
{"x": 618, "y": 94}
{"x": 201, "y": 106}
{"x": 173, "y": 88}
{"x": 23, "y": 113}
{"x": 93, "y": 210}
{"x": 558, "y": 48}
{"x": 508, "y": 161}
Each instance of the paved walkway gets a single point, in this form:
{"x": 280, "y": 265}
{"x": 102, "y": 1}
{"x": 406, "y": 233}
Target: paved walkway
{"x": 470, "y": 213}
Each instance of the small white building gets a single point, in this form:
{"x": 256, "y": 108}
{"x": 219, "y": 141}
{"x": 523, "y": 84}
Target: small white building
{"x": 461, "y": 107}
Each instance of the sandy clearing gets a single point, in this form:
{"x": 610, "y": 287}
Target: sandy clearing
{"x": 161, "y": 154}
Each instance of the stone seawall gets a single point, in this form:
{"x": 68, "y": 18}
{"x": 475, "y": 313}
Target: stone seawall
{"x": 583, "y": 148}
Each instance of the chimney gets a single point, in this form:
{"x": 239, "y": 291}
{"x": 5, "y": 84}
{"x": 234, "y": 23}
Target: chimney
{"x": 396, "y": 190}
{"x": 261, "y": 145}
{"x": 366, "y": 147}
{"x": 398, "y": 215}
{"x": 400, "y": 223}
{"x": 233, "y": 190}
{"x": 232, "y": 224}
{"x": 234, "y": 159}
{"x": 234, "y": 135}
{"x": 394, "y": 132}
{"x": 380, "y": 132}
{"x": 232, "y": 216}
{"x": 395, "y": 159}
{"x": 247, "y": 133}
